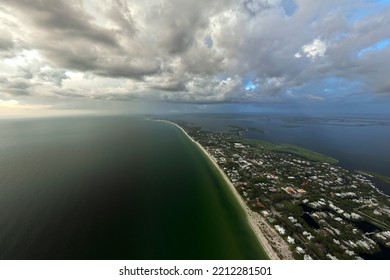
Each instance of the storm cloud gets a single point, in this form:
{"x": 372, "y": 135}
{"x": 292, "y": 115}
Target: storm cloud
{"x": 194, "y": 51}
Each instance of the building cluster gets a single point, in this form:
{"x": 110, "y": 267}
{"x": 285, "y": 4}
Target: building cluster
{"x": 322, "y": 210}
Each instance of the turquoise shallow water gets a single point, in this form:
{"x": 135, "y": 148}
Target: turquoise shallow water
{"x": 113, "y": 188}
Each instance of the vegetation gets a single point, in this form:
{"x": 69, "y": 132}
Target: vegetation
{"x": 383, "y": 178}
{"x": 291, "y": 149}
{"x": 255, "y": 129}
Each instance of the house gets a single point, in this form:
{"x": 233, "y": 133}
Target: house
{"x": 290, "y": 190}
{"x": 292, "y": 219}
{"x": 290, "y": 240}
{"x": 331, "y": 257}
{"x": 238, "y": 146}
{"x": 300, "y": 250}
{"x": 259, "y": 204}
{"x": 281, "y": 230}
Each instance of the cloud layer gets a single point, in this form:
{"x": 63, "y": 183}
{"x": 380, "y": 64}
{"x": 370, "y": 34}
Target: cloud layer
{"x": 193, "y": 51}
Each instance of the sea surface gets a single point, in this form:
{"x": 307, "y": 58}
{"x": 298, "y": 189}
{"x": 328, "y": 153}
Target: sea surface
{"x": 359, "y": 142}
{"x": 114, "y": 188}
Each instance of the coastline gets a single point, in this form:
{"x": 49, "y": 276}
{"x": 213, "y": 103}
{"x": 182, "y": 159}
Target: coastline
{"x": 265, "y": 234}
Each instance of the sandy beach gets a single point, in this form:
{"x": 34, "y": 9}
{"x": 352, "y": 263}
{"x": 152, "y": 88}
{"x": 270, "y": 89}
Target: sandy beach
{"x": 275, "y": 247}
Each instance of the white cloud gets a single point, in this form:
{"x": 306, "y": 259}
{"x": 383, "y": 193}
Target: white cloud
{"x": 315, "y": 49}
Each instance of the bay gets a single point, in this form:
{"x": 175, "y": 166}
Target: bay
{"x": 359, "y": 142}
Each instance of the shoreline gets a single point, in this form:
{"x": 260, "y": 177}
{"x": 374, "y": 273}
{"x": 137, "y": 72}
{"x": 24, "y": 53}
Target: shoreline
{"x": 264, "y": 233}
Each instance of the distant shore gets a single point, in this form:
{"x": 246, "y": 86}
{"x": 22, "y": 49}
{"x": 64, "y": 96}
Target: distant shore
{"x": 264, "y": 232}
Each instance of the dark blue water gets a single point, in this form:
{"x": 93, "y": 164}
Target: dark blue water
{"x": 357, "y": 147}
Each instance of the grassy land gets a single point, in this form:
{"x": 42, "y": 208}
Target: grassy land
{"x": 239, "y": 128}
{"x": 255, "y": 129}
{"x": 383, "y": 178}
{"x": 291, "y": 149}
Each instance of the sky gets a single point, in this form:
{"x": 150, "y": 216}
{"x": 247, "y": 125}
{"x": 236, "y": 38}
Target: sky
{"x": 177, "y": 56}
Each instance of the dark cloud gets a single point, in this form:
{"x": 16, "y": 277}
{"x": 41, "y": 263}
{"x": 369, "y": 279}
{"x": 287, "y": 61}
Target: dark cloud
{"x": 253, "y": 7}
{"x": 120, "y": 12}
{"x": 192, "y": 51}
{"x": 15, "y": 87}
{"x": 6, "y": 43}
{"x": 61, "y": 19}
{"x": 132, "y": 69}
{"x": 171, "y": 86}
{"x": 69, "y": 93}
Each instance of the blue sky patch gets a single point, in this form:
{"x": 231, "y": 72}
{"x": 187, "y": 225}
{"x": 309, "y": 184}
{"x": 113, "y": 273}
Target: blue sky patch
{"x": 289, "y": 7}
{"x": 374, "y": 7}
{"x": 376, "y": 47}
{"x": 249, "y": 85}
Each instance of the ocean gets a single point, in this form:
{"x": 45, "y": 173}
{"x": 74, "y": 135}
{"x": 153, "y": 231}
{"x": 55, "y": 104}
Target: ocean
{"x": 114, "y": 188}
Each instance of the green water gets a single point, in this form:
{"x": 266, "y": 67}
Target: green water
{"x": 114, "y": 188}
